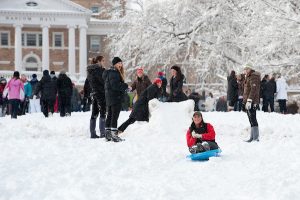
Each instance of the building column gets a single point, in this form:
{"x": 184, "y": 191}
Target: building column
{"x": 45, "y": 49}
{"x": 18, "y": 47}
{"x": 72, "y": 53}
{"x": 82, "y": 52}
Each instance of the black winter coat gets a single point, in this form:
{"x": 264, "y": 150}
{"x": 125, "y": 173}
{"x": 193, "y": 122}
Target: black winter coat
{"x": 96, "y": 82}
{"x": 140, "y": 110}
{"x": 114, "y": 87}
{"x": 64, "y": 86}
{"x": 176, "y": 93}
{"x": 233, "y": 88}
{"x": 47, "y": 87}
{"x": 87, "y": 89}
{"x": 270, "y": 89}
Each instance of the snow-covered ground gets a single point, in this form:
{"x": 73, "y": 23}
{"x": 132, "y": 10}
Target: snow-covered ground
{"x": 55, "y": 159}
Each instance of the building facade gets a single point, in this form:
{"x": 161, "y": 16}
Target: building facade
{"x": 36, "y": 35}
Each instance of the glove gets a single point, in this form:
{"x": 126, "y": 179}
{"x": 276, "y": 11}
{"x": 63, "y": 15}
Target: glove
{"x": 34, "y": 96}
{"x": 248, "y": 104}
{"x": 196, "y": 135}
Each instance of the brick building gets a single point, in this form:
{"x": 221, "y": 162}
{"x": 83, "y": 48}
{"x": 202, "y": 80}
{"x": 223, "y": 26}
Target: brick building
{"x": 56, "y": 35}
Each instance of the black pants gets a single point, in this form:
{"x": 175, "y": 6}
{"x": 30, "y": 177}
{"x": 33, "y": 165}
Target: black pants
{"x": 47, "y": 106}
{"x": 126, "y": 124}
{"x": 282, "y": 105}
{"x": 64, "y": 105}
{"x": 98, "y": 107}
{"x": 24, "y": 106}
{"x": 14, "y": 107}
{"x": 113, "y": 113}
{"x": 266, "y": 103}
{"x": 251, "y": 113}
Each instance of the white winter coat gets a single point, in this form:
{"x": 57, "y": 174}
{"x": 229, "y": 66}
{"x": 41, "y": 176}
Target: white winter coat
{"x": 281, "y": 88}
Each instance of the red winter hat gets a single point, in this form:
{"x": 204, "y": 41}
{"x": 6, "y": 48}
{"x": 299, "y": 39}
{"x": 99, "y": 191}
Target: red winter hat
{"x": 160, "y": 73}
{"x": 157, "y": 80}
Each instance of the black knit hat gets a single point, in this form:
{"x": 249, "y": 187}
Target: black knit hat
{"x": 45, "y": 72}
{"x": 116, "y": 60}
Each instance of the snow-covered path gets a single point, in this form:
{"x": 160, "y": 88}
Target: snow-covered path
{"x": 55, "y": 159}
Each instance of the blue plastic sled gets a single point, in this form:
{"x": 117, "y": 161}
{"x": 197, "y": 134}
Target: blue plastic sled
{"x": 205, "y": 155}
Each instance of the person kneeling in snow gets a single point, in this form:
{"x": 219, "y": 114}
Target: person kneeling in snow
{"x": 140, "y": 110}
{"x": 200, "y": 136}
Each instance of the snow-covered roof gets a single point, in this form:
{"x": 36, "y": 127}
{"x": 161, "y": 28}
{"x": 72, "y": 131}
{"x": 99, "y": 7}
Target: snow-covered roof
{"x": 63, "y": 6}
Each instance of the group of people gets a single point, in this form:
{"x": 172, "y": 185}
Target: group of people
{"x": 48, "y": 95}
{"x": 269, "y": 90}
{"x": 108, "y": 88}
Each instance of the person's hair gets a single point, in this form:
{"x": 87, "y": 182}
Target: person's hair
{"x": 122, "y": 72}
{"x": 232, "y": 73}
{"x": 211, "y": 95}
{"x": 97, "y": 59}
{"x": 16, "y": 75}
{"x": 179, "y": 74}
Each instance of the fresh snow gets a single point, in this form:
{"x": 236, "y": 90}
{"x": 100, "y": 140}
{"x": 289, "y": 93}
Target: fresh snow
{"x": 54, "y": 158}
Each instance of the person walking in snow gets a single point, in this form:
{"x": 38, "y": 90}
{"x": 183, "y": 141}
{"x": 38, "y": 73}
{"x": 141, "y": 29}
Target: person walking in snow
{"x": 281, "y": 89}
{"x": 115, "y": 88}
{"x": 140, "y": 110}
{"x": 97, "y": 93}
{"x": 200, "y": 136}
{"x": 14, "y": 90}
{"x": 251, "y": 100}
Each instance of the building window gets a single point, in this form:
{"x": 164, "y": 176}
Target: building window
{"x": 95, "y": 9}
{"x": 95, "y": 43}
{"x": 58, "y": 39}
{"x": 31, "y": 40}
{"x": 4, "y": 37}
{"x": 40, "y": 40}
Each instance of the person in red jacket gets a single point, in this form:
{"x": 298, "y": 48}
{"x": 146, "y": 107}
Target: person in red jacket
{"x": 200, "y": 136}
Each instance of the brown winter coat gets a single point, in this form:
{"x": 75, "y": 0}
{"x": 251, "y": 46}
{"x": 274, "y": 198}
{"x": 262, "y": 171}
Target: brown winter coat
{"x": 141, "y": 84}
{"x": 252, "y": 87}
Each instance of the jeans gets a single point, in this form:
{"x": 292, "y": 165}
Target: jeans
{"x": 14, "y": 103}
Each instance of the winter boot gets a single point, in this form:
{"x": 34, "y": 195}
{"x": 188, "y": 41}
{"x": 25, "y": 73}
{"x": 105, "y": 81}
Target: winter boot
{"x": 107, "y": 134}
{"x": 255, "y": 133}
{"x": 92, "y": 128}
{"x": 114, "y": 136}
{"x": 102, "y": 127}
{"x": 251, "y": 136}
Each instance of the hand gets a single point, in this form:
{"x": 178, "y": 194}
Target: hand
{"x": 34, "y": 97}
{"x": 248, "y": 104}
{"x": 129, "y": 88}
{"x": 196, "y": 135}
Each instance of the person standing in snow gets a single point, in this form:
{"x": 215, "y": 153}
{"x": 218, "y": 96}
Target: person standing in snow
{"x": 251, "y": 99}
{"x": 281, "y": 89}
{"x": 14, "y": 89}
{"x": 3, "y": 100}
{"x": 164, "y": 95}
{"x": 200, "y": 136}
{"x": 48, "y": 90}
{"x": 176, "y": 84}
{"x": 232, "y": 91}
{"x": 97, "y": 93}
{"x": 64, "y": 90}
{"x": 140, "y": 83}
{"x": 115, "y": 88}
{"x": 140, "y": 110}
{"x": 269, "y": 93}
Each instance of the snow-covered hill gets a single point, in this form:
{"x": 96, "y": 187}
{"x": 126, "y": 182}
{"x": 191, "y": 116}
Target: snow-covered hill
{"x": 55, "y": 159}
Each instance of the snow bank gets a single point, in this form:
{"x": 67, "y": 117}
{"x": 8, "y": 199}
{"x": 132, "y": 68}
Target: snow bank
{"x": 55, "y": 159}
